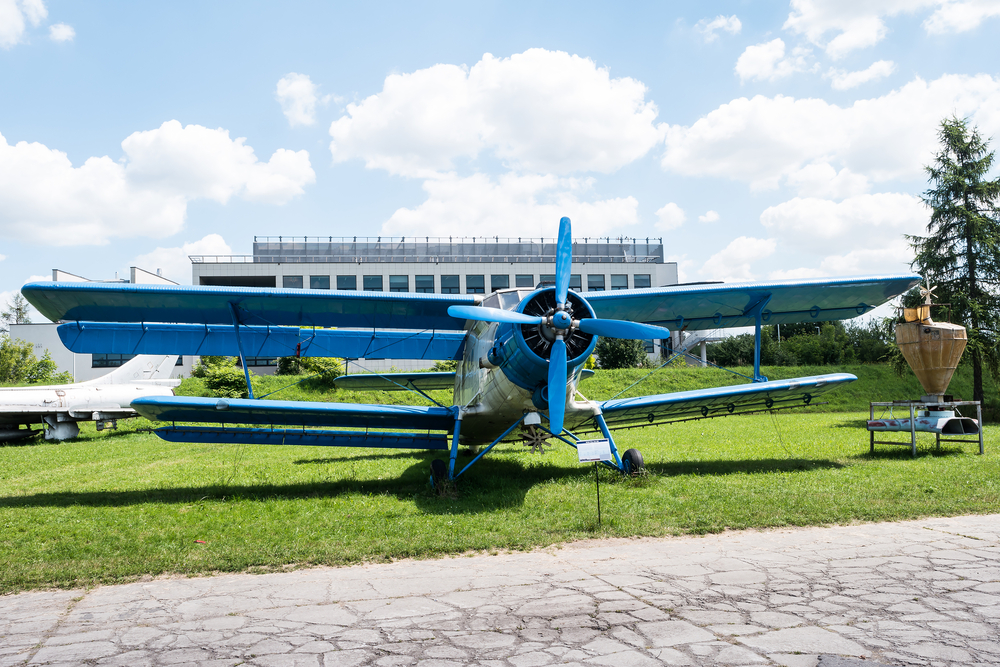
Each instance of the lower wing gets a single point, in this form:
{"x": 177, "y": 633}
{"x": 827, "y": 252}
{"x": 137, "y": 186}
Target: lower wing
{"x": 719, "y": 401}
{"x": 375, "y": 425}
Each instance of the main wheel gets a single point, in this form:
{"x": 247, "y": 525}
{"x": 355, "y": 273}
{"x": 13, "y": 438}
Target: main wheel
{"x": 632, "y": 462}
{"x": 439, "y": 473}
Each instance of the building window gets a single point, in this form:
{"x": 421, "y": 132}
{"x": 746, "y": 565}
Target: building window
{"x": 648, "y": 344}
{"x": 575, "y": 282}
{"x": 347, "y": 282}
{"x": 449, "y": 285}
{"x": 180, "y": 361}
{"x": 423, "y": 284}
{"x": 547, "y": 279}
{"x": 595, "y": 283}
{"x": 261, "y": 361}
{"x": 319, "y": 282}
{"x": 373, "y": 283}
{"x": 619, "y": 281}
{"x": 499, "y": 282}
{"x": 291, "y": 282}
{"x": 399, "y": 283}
{"x": 475, "y": 284}
{"x": 640, "y": 280}
{"x": 109, "y": 360}
{"x": 524, "y": 280}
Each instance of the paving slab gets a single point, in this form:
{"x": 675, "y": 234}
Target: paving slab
{"x": 910, "y": 593}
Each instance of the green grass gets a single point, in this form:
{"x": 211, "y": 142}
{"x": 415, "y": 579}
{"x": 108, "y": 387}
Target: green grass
{"x": 114, "y": 506}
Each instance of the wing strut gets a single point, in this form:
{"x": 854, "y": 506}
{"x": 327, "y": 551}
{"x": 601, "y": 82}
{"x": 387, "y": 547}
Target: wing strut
{"x": 757, "y": 310}
{"x": 239, "y": 345}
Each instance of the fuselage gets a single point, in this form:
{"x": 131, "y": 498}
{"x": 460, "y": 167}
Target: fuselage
{"x": 503, "y": 373}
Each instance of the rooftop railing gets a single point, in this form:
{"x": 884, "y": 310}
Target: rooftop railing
{"x": 420, "y": 259}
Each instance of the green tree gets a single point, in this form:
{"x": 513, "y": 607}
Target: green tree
{"x": 19, "y": 365}
{"x": 961, "y": 253}
{"x": 15, "y": 313}
{"x": 620, "y": 353}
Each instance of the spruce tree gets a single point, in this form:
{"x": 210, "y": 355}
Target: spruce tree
{"x": 961, "y": 253}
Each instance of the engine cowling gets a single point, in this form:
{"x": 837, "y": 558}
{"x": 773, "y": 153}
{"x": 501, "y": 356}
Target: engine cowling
{"x": 522, "y": 351}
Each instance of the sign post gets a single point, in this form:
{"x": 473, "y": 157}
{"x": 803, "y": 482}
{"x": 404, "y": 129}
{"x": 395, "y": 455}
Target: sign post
{"x": 595, "y": 451}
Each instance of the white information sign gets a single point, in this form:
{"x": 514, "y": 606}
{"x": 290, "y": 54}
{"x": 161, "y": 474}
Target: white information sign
{"x": 593, "y": 450}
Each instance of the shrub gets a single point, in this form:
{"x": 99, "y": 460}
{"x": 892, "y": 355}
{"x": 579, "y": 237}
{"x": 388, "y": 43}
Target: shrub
{"x": 229, "y": 382}
{"x": 207, "y": 365}
{"x": 620, "y": 353}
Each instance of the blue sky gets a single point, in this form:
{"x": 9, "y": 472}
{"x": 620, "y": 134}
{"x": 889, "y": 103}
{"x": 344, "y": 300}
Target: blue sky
{"x": 759, "y": 140}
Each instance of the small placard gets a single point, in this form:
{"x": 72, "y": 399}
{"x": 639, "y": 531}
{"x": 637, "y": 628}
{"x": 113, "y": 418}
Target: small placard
{"x": 593, "y": 450}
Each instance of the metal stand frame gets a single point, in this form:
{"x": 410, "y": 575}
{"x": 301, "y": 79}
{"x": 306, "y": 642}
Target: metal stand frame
{"x": 915, "y": 406}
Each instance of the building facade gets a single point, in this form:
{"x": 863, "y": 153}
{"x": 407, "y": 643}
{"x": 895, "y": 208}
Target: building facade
{"x": 434, "y": 265}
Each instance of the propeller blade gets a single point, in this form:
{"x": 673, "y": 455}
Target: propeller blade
{"x": 481, "y": 314}
{"x": 557, "y": 385}
{"x": 564, "y": 260}
{"x": 622, "y": 329}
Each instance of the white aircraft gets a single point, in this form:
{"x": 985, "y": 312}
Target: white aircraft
{"x": 104, "y": 400}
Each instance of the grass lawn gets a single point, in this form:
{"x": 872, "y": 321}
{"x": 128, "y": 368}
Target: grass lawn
{"x": 114, "y": 506}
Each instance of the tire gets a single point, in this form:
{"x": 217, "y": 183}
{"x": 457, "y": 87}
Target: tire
{"x": 439, "y": 473}
{"x": 632, "y": 462}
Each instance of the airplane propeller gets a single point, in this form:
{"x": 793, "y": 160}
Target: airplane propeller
{"x": 559, "y": 323}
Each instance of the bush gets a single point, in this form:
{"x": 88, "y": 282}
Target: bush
{"x": 206, "y": 365}
{"x": 229, "y": 382}
{"x": 620, "y": 353}
{"x": 326, "y": 370}
{"x": 18, "y": 364}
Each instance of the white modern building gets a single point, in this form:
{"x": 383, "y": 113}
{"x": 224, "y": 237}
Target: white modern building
{"x": 452, "y": 265}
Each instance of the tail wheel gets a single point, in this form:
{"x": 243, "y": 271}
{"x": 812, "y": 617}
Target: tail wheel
{"x": 632, "y": 462}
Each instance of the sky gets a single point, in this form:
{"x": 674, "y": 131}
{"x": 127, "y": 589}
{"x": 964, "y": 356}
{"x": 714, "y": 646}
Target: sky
{"x": 759, "y": 140}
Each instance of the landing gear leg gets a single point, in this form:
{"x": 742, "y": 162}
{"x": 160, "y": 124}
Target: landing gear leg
{"x": 599, "y": 418}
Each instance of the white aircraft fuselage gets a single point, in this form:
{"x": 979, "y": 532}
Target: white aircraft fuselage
{"x": 105, "y": 399}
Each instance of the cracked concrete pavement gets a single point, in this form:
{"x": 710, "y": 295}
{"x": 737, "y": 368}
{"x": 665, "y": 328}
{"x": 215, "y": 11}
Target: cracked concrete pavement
{"x": 912, "y": 593}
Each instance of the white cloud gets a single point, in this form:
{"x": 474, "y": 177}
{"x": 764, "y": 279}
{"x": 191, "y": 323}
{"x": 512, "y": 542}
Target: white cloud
{"x": 857, "y": 25}
{"x": 45, "y": 199}
{"x": 763, "y": 140}
{"x": 767, "y": 61}
{"x": 195, "y": 161}
{"x": 60, "y": 32}
{"x": 3, "y": 257}
{"x": 297, "y": 95}
{"x": 709, "y": 29}
{"x": 843, "y": 80}
{"x": 825, "y": 228}
{"x": 960, "y": 16}
{"x": 513, "y": 205}
{"x": 174, "y": 261}
{"x": 709, "y": 216}
{"x": 14, "y": 17}
{"x": 820, "y": 179}
{"x": 732, "y": 263}
{"x": 670, "y": 217}
{"x": 541, "y": 111}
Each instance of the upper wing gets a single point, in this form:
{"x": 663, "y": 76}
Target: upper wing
{"x": 732, "y": 305}
{"x": 719, "y": 401}
{"x": 116, "y": 302}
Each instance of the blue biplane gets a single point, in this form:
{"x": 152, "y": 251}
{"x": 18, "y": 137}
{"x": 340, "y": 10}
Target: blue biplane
{"x": 520, "y": 353}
